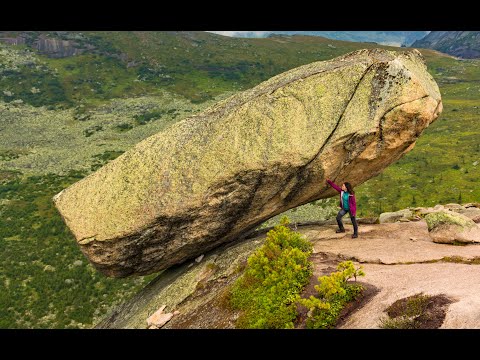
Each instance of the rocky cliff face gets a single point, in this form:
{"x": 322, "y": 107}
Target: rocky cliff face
{"x": 214, "y": 177}
{"x": 57, "y": 48}
{"x": 52, "y": 44}
{"x": 464, "y": 44}
{"x": 12, "y": 40}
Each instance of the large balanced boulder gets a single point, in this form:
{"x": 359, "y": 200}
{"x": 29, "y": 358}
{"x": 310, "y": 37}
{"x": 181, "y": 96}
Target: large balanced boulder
{"x": 214, "y": 177}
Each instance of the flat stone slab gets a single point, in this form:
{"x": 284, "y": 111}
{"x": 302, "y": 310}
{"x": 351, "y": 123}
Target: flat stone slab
{"x": 394, "y": 259}
{"x": 390, "y": 243}
{"x": 457, "y": 281}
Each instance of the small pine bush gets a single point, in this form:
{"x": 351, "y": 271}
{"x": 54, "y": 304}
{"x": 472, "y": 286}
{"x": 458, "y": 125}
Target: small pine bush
{"x": 334, "y": 292}
{"x": 275, "y": 275}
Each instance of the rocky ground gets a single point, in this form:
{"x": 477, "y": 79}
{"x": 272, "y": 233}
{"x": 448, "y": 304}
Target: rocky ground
{"x": 400, "y": 259}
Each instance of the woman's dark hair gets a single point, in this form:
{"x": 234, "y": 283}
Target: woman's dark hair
{"x": 349, "y": 188}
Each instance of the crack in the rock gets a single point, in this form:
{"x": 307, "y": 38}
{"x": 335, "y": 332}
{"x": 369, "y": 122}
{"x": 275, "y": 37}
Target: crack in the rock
{"x": 289, "y": 81}
{"x": 300, "y": 175}
{"x": 236, "y": 101}
{"x": 340, "y": 118}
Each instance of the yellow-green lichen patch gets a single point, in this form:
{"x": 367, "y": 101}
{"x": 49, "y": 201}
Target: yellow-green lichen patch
{"x": 450, "y": 218}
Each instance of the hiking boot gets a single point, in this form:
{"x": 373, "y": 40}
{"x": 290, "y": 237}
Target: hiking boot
{"x": 340, "y": 230}
{"x": 354, "y": 236}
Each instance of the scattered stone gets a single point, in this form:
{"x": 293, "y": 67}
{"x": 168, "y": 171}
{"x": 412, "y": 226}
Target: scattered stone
{"x": 448, "y": 227}
{"x": 158, "y": 319}
{"x": 468, "y": 205}
{"x": 475, "y": 163}
{"x": 49, "y": 268}
{"x": 453, "y": 207}
{"x": 78, "y": 263}
{"x": 391, "y": 217}
{"x": 198, "y": 259}
{"x": 421, "y": 212}
{"x": 472, "y": 213}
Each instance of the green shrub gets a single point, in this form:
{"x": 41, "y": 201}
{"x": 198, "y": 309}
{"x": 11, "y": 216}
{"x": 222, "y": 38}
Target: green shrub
{"x": 91, "y": 130}
{"x": 146, "y": 117}
{"x": 124, "y": 127}
{"x": 418, "y": 311}
{"x": 273, "y": 279}
{"x": 334, "y": 292}
{"x": 105, "y": 157}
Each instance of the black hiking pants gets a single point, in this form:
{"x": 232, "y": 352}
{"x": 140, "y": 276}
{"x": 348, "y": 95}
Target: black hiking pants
{"x": 341, "y": 214}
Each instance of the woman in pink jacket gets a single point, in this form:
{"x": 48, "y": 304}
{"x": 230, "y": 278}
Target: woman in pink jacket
{"x": 347, "y": 204}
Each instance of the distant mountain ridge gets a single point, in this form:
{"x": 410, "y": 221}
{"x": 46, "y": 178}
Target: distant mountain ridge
{"x": 395, "y": 38}
{"x": 464, "y": 44}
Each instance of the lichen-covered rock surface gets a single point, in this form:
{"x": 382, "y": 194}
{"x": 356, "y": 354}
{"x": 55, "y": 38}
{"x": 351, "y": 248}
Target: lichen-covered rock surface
{"x": 213, "y": 177}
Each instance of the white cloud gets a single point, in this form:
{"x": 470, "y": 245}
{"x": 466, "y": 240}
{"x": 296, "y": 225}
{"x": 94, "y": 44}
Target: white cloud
{"x": 391, "y": 43}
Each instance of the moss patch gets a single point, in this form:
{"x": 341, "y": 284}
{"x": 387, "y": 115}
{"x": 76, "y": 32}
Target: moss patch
{"x": 418, "y": 311}
{"x": 442, "y": 217}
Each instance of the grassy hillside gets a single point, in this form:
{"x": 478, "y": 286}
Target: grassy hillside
{"x": 196, "y": 65}
{"x": 63, "y": 117}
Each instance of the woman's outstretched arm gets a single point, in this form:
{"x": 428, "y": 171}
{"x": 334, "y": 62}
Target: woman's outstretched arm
{"x": 335, "y": 186}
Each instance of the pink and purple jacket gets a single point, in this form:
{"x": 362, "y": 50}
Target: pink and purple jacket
{"x": 352, "y": 203}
